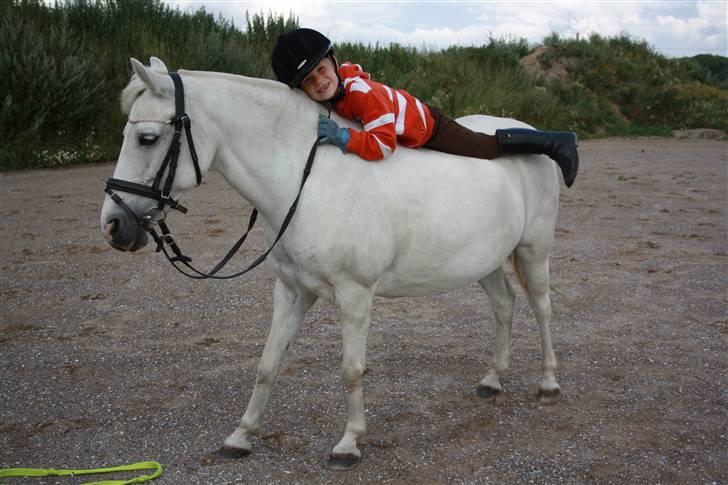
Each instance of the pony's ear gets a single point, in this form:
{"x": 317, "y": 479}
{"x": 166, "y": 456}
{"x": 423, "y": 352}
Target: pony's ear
{"x": 156, "y": 82}
{"x": 158, "y": 65}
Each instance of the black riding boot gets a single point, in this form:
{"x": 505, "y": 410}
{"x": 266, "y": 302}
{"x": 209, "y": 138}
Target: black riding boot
{"x": 559, "y": 145}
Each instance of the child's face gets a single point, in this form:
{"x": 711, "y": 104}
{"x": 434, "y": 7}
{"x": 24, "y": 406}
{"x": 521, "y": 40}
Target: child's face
{"x": 322, "y": 82}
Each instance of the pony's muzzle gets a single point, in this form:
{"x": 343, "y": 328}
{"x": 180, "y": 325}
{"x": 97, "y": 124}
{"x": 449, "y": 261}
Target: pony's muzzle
{"x": 124, "y": 234}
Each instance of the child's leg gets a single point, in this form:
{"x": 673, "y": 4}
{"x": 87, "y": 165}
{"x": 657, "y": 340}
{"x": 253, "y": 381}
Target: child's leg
{"x": 449, "y": 136}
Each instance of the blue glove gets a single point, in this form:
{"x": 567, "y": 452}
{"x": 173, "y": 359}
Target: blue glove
{"x": 331, "y": 133}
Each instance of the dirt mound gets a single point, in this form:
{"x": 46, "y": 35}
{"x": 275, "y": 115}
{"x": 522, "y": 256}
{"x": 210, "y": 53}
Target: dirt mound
{"x": 544, "y": 63}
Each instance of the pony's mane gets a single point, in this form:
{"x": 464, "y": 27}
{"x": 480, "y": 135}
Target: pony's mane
{"x": 137, "y": 87}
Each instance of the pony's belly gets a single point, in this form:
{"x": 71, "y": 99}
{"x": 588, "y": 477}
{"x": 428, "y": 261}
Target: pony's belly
{"x": 406, "y": 277}
{"x": 448, "y": 275}
{"x": 397, "y": 289}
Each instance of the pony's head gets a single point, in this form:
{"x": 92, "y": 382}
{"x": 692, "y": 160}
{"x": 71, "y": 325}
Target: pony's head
{"x": 149, "y": 174}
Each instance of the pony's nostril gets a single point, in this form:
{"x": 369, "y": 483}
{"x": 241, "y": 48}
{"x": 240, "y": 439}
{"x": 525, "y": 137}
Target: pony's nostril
{"x": 111, "y": 229}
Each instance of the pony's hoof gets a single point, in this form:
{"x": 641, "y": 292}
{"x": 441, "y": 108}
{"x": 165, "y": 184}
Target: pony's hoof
{"x": 342, "y": 462}
{"x": 487, "y": 392}
{"x": 228, "y": 452}
{"x": 548, "y": 397}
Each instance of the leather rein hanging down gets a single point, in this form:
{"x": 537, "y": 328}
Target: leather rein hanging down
{"x": 157, "y": 215}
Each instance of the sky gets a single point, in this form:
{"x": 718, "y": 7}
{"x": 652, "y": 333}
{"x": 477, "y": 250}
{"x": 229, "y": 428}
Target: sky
{"x": 674, "y": 28}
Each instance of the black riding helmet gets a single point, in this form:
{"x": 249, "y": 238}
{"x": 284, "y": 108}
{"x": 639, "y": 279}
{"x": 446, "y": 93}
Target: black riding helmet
{"x": 297, "y": 52}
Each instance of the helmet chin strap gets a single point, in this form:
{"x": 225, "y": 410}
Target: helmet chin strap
{"x": 340, "y": 92}
{"x": 335, "y": 61}
{"x": 336, "y": 98}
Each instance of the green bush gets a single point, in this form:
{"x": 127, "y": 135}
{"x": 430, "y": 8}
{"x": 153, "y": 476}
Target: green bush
{"x": 51, "y": 90}
{"x": 66, "y": 65}
{"x": 708, "y": 69}
{"x": 646, "y": 92}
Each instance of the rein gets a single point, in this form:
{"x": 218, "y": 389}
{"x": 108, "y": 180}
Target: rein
{"x": 157, "y": 215}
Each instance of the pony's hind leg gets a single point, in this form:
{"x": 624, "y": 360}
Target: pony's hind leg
{"x": 355, "y": 303}
{"x": 501, "y": 296}
{"x": 533, "y": 265}
{"x": 289, "y": 308}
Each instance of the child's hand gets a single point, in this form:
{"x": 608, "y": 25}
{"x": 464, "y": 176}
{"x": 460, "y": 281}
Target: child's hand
{"x": 329, "y": 132}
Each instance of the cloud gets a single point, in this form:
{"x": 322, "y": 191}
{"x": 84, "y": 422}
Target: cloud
{"x": 673, "y": 27}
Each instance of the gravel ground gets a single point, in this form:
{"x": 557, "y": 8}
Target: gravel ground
{"x": 109, "y": 358}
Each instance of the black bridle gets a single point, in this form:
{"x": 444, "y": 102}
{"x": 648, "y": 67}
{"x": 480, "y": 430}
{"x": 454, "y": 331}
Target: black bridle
{"x": 156, "y": 216}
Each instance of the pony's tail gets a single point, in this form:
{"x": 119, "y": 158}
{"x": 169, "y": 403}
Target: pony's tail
{"x": 513, "y": 258}
{"x": 516, "y": 263}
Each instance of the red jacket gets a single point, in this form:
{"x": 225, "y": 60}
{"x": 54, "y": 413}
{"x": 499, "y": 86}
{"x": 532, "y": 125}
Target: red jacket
{"x": 388, "y": 115}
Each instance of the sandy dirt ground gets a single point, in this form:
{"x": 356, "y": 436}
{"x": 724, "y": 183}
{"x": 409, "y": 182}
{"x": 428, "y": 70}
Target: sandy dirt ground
{"x": 109, "y": 358}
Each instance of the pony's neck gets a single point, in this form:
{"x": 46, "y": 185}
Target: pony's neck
{"x": 262, "y": 132}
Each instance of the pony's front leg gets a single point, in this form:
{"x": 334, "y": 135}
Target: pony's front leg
{"x": 355, "y": 303}
{"x": 289, "y": 307}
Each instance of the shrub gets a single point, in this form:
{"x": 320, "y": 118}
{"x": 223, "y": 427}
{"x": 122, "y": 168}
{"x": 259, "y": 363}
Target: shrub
{"x": 50, "y": 85}
{"x": 66, "y": 65}
{"x": 708, "y": 69}
{"x": 645, "y": 90}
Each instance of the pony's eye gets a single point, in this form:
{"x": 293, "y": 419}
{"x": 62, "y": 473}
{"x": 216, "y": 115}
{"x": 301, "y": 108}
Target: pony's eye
{"x": 147, "y": 139}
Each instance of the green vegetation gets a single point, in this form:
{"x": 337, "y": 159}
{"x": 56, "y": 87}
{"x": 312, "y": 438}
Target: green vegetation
{"x": 708, "y": 69}
{"x": 64, "y": 66}
{"x": 644, "y": 89}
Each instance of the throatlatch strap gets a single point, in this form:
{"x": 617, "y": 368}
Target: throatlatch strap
{"x": 181, "y": 116}
{"x": 193, "y": 152}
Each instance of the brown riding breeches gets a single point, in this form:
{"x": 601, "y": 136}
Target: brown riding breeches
{"x": 451, "y": 137}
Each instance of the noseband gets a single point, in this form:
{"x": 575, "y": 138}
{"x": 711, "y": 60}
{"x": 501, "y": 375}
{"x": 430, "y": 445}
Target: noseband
{"x": 156, "y": 216}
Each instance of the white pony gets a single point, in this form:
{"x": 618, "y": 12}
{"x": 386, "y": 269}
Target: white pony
{"x": 418, "y": 223}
